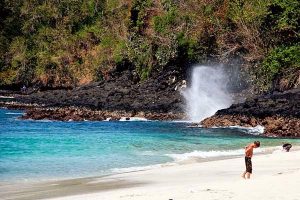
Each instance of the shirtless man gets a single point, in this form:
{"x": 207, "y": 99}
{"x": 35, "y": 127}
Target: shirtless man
{"x": 248, "y": 156}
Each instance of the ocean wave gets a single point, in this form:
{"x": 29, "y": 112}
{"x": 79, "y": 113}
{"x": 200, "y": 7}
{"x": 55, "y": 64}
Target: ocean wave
{"x": 140, "y": 168}
{"x": 7, "y": 97}
{"x": 107, "y": 119}
{"x": 192, "y": 155}
{"x": 145, "y": 153}
{"x": 257, "y": 130}
{"x": 182, "y": 121}
{"x": 40, "y": 120}
{"x": 209, "y": 154}
{"x": 10, "y": 113}
{"x": 127, "y": 119}
{"x": 133, "y": 119}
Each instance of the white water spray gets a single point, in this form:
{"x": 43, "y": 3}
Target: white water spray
{"x": 207, "y": 93}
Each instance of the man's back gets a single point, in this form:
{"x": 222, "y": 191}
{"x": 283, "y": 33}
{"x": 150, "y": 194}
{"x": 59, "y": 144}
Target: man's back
{"x": 249, "y": 150}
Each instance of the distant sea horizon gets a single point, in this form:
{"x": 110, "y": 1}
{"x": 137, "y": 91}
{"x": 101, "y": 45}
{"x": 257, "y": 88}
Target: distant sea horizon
{"x": 52, "y": 150}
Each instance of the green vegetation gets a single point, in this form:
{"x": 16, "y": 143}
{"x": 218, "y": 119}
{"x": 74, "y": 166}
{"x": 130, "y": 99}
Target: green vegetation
{"x": 281, "y": 61}
{"x": 282, "y": 57}
{"x": 62, "y": 43}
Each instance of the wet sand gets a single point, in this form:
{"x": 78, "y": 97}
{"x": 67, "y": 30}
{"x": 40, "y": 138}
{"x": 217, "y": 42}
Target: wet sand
{"x": 29, "y": 191}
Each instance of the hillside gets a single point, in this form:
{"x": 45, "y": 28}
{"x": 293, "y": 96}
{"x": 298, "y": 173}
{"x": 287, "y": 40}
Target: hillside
{"x": 65, "y": 44}
{"x": 116, "y": 59}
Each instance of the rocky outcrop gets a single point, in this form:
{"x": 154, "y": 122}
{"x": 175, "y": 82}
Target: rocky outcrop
{"x": 82, "y": 114}
{"x": 274, "y": 125}
{"x": 122, "y": 94}
{"x": 159, "y": 94}
{"x": 279, "y": 113}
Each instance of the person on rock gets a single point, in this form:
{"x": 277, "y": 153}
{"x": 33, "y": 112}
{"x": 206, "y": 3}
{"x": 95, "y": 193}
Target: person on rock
{"x": 248, "y": 156}
{"x": 23, "y": 89}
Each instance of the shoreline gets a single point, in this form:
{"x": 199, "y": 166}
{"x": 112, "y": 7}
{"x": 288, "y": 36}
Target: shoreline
{"x": 73, "y": 113}
{"x": 278, "y": 112}
{"x": 98, "y": 185}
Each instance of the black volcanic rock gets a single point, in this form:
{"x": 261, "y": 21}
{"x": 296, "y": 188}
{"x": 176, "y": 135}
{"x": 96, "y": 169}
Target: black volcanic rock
{"x": 156, "y": 94}
{"x": 279, "y": 113}
{"x": 284, "y": 104}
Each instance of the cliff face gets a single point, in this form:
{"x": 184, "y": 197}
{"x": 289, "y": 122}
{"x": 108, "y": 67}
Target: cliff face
{"x": 279, "y": 113}
{"x": 65, "y": 44}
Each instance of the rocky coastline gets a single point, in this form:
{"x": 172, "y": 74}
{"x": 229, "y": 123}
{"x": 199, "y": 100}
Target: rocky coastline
{"x": 84, "y": 114}
{"x": 278, "y": 113}
{"x": 73, "y": 113}
{"x": 158, "y": 98}
{"x": 122, "y": 95}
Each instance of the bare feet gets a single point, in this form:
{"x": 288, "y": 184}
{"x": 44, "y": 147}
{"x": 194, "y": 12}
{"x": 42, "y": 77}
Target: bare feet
{"x": 243, "y": 175}
{"x": 247, "y": 175}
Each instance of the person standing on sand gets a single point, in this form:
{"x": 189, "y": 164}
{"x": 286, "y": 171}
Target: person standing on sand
{"x": 248, "y": 156}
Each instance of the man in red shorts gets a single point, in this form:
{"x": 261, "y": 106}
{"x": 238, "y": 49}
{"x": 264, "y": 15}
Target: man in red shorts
{"x": 248, "y": 156}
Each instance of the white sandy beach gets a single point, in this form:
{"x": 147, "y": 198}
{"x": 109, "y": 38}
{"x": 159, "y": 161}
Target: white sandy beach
{"x": 275, "y": 176}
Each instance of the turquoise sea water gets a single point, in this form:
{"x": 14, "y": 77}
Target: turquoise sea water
{"x": 35, "y": 150}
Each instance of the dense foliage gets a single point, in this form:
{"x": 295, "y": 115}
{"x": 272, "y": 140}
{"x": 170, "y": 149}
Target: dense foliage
{"x": 63, "y": 43}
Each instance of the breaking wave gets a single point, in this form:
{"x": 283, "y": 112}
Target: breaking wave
{"x": 209, "y": 154}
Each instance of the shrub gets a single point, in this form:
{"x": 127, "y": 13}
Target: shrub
{"x": 281, "y": 23}
{"x": 278, "y": 61}
{"x": 280, "y": 58}
{"x": 161, "y": 23}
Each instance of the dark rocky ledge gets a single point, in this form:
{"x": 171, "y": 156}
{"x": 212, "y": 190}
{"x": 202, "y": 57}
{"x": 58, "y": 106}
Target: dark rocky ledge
{"x": 41, "y": 112}
{"x": 81, "y": 114}
{"x": 121, "y": 95}
{"x": 279, "y": 113}
{"x": 158, "y": 94}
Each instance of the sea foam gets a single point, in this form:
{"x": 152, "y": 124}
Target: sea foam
{"x": 133, "y": 119}
{"x": 257, "y": 130}
{"x": 140, "y": 168}
{"x": 209, "y": 154}
{"x": 10, "y": 113}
